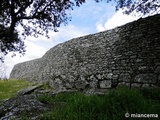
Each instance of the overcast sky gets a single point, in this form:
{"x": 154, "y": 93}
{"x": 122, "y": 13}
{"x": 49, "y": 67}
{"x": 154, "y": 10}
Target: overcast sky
{"x": 90, "y": 18}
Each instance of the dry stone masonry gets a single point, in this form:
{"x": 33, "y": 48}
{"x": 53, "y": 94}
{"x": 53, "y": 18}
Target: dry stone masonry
{"x": 127, "y": 55}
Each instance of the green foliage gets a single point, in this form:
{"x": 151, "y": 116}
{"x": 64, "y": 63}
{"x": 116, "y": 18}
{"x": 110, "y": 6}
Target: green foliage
{"x": 46, "y": 99}
{"x": 112, "y": 106}
{"x": 152, "y": 93}
{"x": 8, "y": 88}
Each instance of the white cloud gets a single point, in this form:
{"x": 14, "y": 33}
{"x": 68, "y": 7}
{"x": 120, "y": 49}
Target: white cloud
{"x": 100, "y": 27}
{"x": 33, "y": 50}
{"x": 117, "y": 19}
{"x": 68, "y": 32}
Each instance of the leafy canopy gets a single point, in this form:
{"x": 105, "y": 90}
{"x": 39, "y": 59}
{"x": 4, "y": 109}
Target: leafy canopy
{"x": 37, "y": 17}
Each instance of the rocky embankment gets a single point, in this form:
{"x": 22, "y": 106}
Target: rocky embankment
{"x": 27, "y": 105}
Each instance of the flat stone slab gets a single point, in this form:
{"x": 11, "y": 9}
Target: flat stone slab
{"x": 29, "y": 89}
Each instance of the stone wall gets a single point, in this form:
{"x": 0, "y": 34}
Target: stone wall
{"x": 127, "y": 55}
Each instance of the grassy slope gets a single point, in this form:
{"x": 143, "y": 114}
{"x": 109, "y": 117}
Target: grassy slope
{"x": 112, "y": 106}
{"x": 8, "y": 88}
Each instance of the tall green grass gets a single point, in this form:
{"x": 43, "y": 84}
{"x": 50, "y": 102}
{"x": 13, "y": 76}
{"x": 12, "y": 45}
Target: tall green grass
{"x": 8, "y": 88}
{"x": 112, "y": 106}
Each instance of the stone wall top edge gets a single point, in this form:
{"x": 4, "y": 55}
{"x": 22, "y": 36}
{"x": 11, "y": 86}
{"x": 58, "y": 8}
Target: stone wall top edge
{"x": 107, "y": 31}
{"x": 74, "y": 40}
{"x": 27, "y": 62}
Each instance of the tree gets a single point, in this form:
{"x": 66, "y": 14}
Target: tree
{"x": 40, "y": 15}
{"x": 37, "y": 17}
{"x": 3, "y": 68}
{"x": 139, "y": 6}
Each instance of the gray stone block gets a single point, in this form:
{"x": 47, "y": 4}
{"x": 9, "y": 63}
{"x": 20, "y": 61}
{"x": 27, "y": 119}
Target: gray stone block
{"x": 105, "y": 84}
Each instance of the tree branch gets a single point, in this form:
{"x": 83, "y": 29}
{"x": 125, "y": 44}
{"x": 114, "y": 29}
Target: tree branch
{"x": 23, "y": 8}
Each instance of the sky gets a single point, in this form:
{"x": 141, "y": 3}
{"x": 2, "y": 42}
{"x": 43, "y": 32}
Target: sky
{"x": 90, "y": 18}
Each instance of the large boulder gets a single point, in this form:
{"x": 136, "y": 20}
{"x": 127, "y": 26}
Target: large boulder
{"x": 103, "y": 60}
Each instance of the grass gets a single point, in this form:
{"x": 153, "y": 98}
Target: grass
{"x": 77, "y": 106}
{"x": 112, "y": 106}
{"x": 8, "y": 88}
